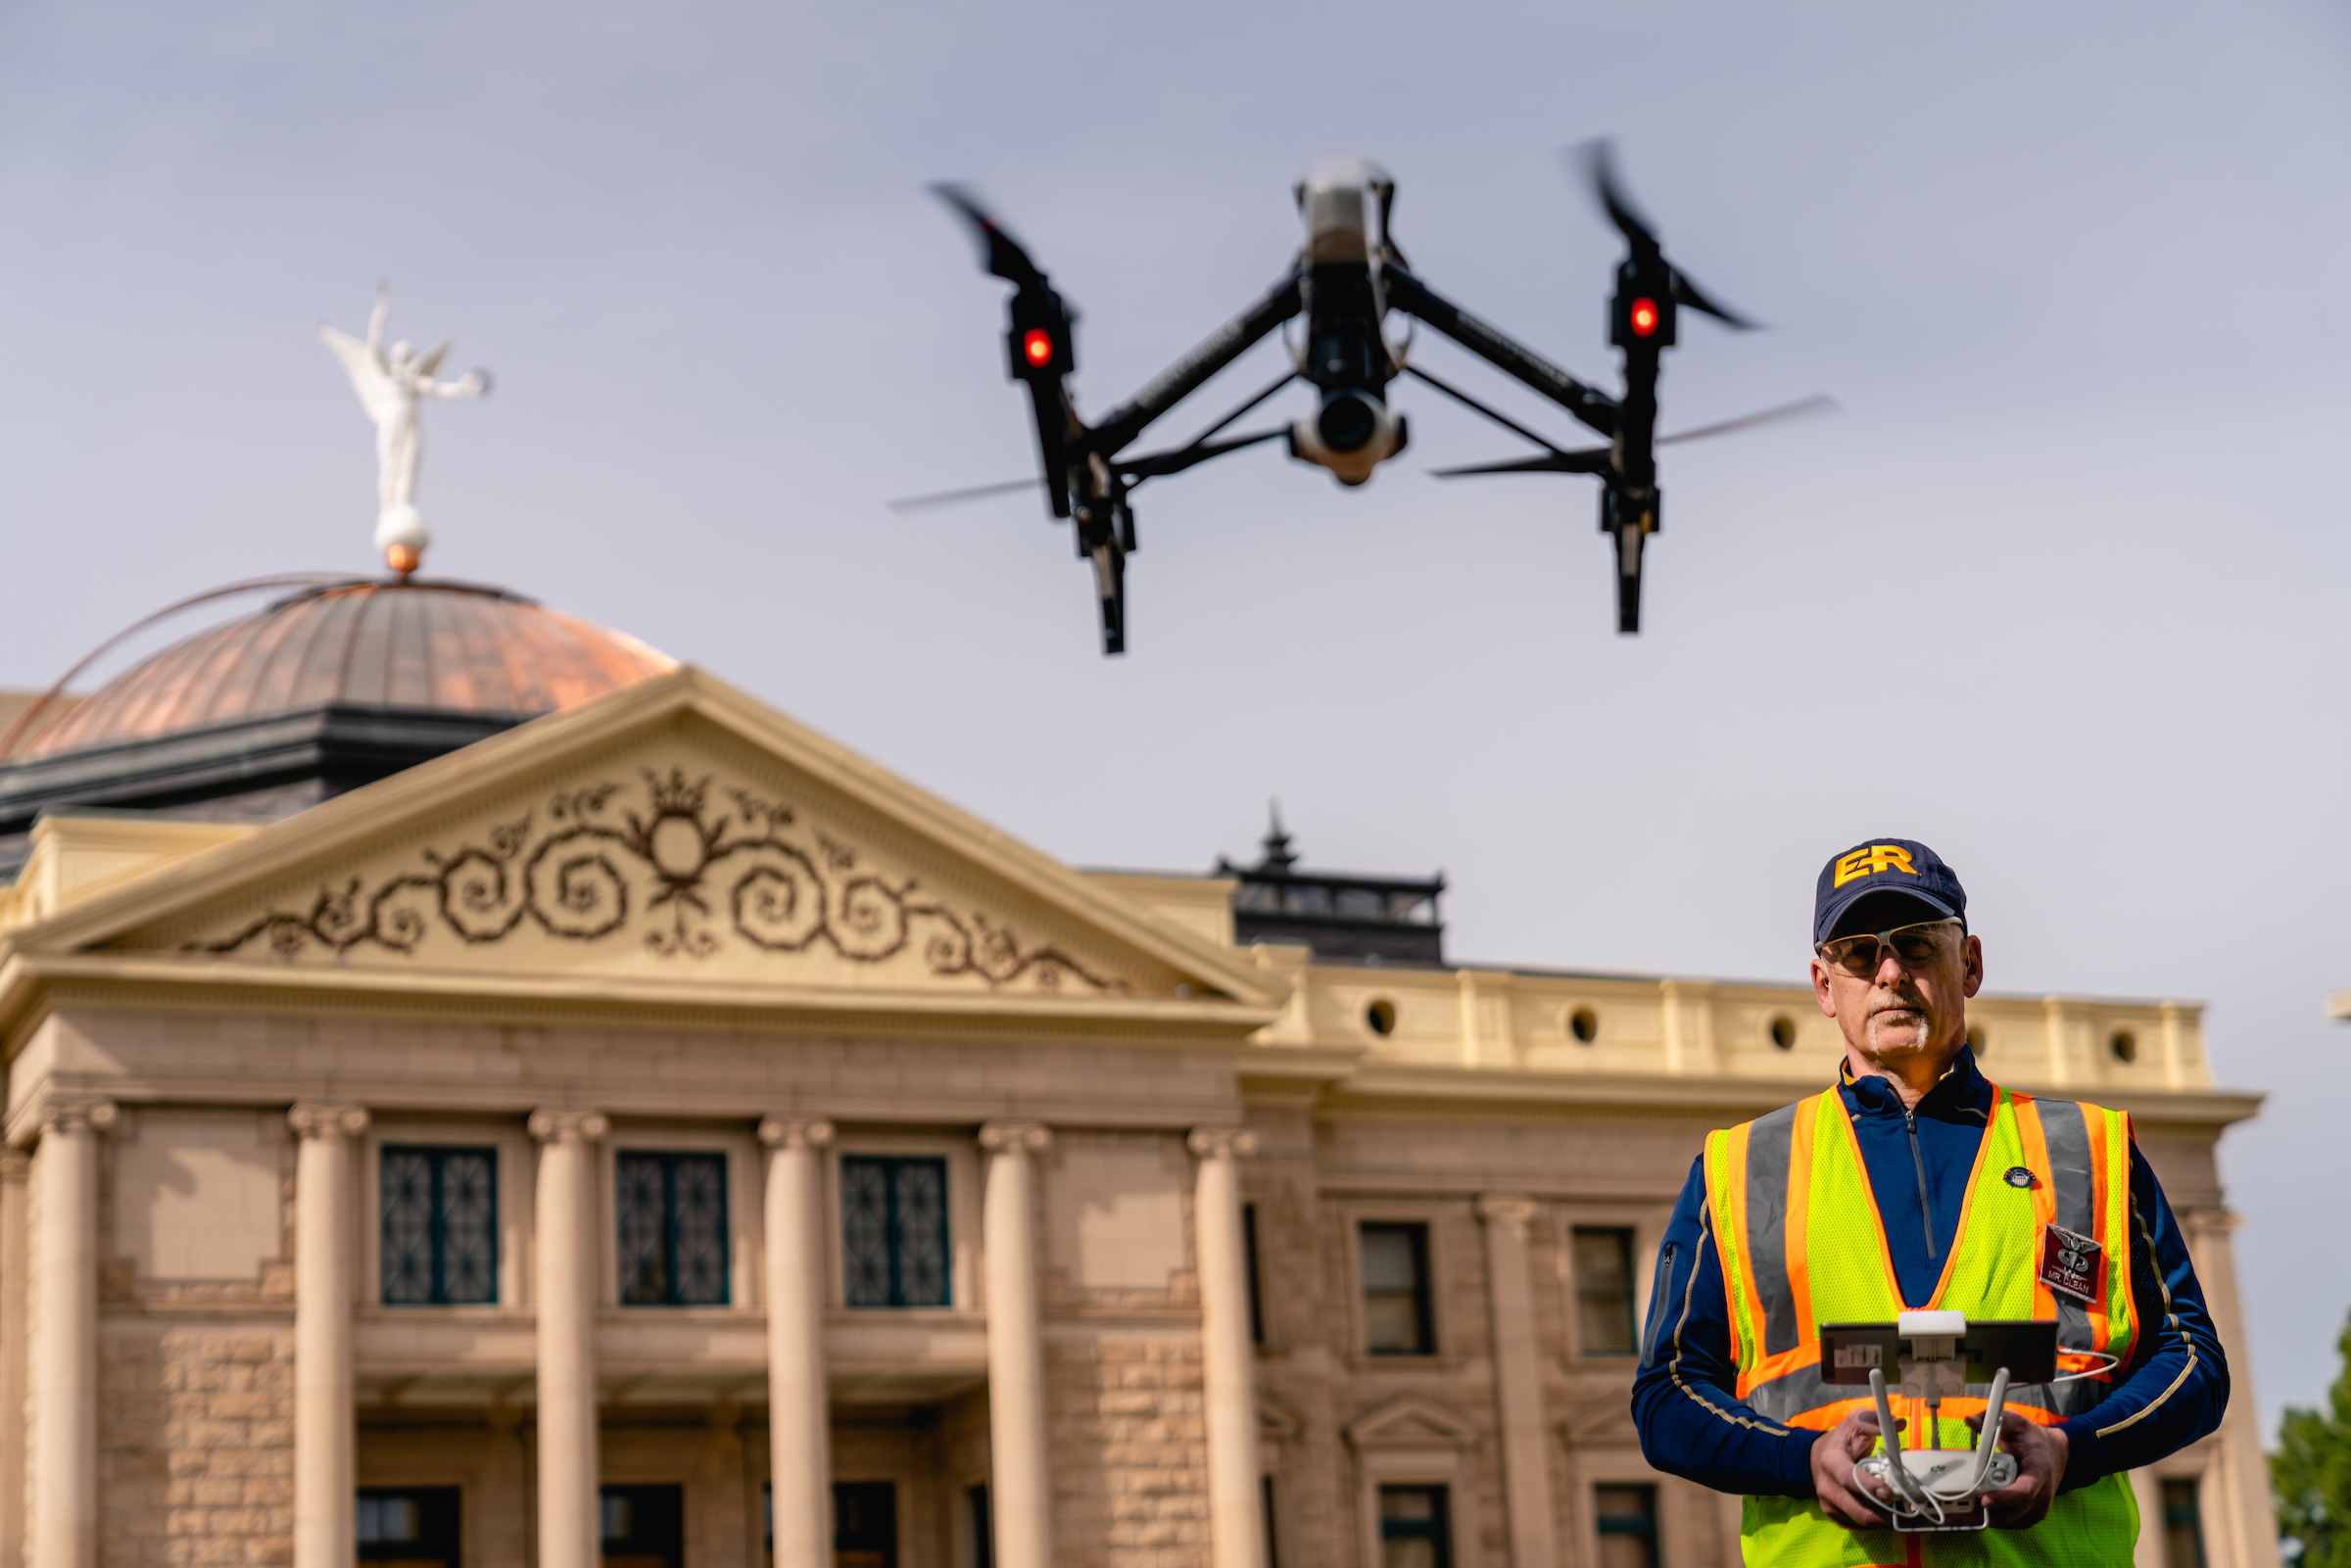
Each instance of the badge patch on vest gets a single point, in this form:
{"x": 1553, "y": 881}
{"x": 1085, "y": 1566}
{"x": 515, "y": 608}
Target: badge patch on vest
{"x": 2018, "y": 1177}
{"x": 2070, "y": 1263}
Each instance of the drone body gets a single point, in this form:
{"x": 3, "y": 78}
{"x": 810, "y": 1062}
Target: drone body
{"x": 1348, "y": 277}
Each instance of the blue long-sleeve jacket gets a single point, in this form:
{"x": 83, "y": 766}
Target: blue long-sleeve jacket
{"x": 1685, "y": 1400}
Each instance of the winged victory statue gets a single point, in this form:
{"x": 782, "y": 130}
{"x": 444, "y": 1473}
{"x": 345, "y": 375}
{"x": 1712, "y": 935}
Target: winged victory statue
{"x": 390, "y": 387}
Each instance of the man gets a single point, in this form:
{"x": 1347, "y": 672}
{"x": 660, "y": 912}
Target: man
{"x": 1971, "y": 1198}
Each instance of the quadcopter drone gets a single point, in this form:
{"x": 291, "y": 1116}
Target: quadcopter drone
{"x": 1348, "y": 278}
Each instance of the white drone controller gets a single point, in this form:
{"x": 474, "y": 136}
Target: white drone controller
{"x": 1938, "y": 1489}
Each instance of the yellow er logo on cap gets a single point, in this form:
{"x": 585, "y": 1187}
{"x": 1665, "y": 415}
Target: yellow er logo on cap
{"x": 1873, "y": 860}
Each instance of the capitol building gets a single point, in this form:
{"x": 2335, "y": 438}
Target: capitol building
{"x": 481, "y": 1093}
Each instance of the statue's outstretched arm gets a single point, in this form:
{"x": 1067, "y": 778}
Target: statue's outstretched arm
{"x": 377, "y": 317}
{"x": 473, "y": 384}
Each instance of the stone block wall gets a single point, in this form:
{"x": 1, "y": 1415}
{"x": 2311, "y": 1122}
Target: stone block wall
{"x": 1129, "y": 1450}
{"x": 196, "y": 1445}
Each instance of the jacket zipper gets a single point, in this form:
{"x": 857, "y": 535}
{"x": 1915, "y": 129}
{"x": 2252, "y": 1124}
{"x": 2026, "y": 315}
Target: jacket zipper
{"x": 1661, "y": 1303}
{"x": 1918, "y": 1163}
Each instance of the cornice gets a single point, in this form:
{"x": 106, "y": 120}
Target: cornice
{"x": 32, "y": 983}
{"x": 1392, "y": 1089}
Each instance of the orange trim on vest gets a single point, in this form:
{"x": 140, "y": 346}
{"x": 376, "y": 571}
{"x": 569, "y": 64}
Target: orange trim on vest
{"x": 2130, "y": 1280}
{"x": 1734, "y": 1193}
{"x": 2045, "y": 1190}
{"x": 2101, "y": 1330}
{"x": 1793, "y": 1232}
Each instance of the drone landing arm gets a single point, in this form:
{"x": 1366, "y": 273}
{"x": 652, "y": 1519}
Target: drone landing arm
{"x": 1590, "y": 406}
{"x": 1188, "y": 374}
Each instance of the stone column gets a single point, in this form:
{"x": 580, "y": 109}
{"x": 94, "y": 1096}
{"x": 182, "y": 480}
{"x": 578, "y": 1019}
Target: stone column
{"x": 799, "y": 1414}
{"x": 568, "y": 1522}
{"x": 1236, "y": 1513}
{"x": 1519, "y": 1381}
{"x": 1020, "y": 1489}
{"x": 64, "y": 1354}
{"x": 2247, "y": 1517}
{"x": 325, "y": 1434}
{"x": 15, "y": 1251}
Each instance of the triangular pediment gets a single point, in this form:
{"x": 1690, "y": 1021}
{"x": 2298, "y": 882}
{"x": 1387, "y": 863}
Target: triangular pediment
{"x": 674, "y": 833}
{"x": 1408, "y": 1423}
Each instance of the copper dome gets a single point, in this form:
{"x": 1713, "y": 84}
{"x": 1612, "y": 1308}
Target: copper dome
{"x": 418, "y": 647}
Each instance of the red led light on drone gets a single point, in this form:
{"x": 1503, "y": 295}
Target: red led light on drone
{"x": 1038, "y": 345}
{"x": 1645, "y": 317}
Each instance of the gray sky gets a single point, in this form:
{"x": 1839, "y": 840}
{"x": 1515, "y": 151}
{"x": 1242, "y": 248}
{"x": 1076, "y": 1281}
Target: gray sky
{"x": 2057, "y": 591}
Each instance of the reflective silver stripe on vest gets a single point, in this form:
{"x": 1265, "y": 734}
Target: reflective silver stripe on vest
{"x": 1770, "y": 1145}
{"x": 2065, "y": 1127}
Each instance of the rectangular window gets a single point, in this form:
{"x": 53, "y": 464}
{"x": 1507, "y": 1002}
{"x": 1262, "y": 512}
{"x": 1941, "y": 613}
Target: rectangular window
{"x": 643, "y": 1527}
{"x": 1628, "y": 1526}
{"x": 1257, "y": 1308}
{"x": 412, "y": 1526}
{"x": 865, "y": 1524}
{"x": 440, "y": 1225}
{"x": 673, "y": 1229}
{"x": 1604, "y": 1293}
{"x": 1411, "y": 1528}
{"x": 2182, "y": 1526}
{"x": 893, "y": 1230}
{"x": 984, "y": 1540}
{"x": 1272, "y": 1538}
{"x": 1396, "y": 1314}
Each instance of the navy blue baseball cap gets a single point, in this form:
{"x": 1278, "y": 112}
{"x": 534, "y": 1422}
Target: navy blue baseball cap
{"x": 1885, "y": 866}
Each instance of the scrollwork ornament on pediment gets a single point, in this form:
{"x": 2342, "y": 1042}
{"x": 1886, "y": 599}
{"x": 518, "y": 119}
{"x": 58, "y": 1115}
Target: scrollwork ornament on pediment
{"x": 685, "y": 868}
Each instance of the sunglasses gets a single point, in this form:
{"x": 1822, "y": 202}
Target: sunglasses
{"x": 1861, "y": 955}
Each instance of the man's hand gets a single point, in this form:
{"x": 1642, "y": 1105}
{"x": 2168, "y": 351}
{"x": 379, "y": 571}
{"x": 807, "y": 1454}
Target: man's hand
{"x": 2040, "y": 1454}
{"x": 1845, "y": 1496}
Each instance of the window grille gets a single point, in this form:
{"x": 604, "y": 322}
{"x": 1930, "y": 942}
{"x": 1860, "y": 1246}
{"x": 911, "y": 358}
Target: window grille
{"x": 893, "y": 1230}
{"x": 1413, "y": 1531}
{"x": 1628, "y": 1526}
{"x": 1397, "y": 1321}
{"x": 1604, "y": 1293}
{"x": 672, "y": 1212}
{"x": 440, "y": 1225}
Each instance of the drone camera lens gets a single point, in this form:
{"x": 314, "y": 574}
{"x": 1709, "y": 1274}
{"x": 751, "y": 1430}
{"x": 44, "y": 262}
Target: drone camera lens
{"x": 1347, "y": 421}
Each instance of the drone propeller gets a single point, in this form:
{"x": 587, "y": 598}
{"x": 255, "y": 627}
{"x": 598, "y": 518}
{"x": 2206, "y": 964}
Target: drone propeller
{"x": 1589, "y": 461}
{"x": 1818, "y": 403}
{"x": 1595, "y": 460}
{"x": 1134, "y": 471}
{"x": 1601, "y": 167}
{"x": 1005, "y": 258}
{"x": 950, "y": 497}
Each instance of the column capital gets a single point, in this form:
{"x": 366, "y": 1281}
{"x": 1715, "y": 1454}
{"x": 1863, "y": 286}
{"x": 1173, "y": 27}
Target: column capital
{"x": 1016, "y": 1137}
{"x": 787, "y": 1132}
{"x": 1221, "y": 1143}
{"x": 311, "y": 1118}
{"x": 569, "y": 1127}
{"x": 62, "y": 1112}
{"x": 1508, "y": 1209}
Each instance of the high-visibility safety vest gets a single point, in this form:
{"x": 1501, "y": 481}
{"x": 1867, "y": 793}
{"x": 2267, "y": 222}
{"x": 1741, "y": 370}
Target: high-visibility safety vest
{"x": 1803, "y": 1243}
